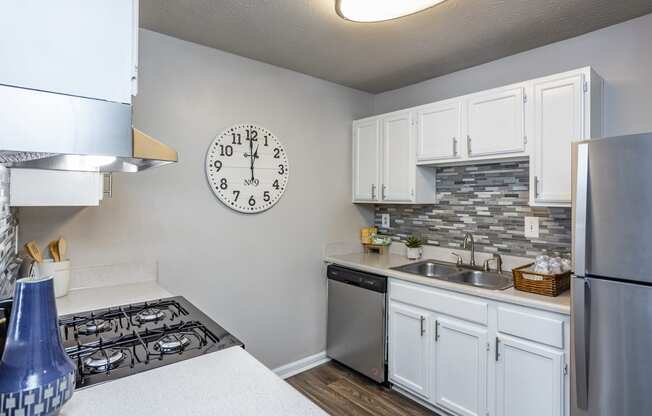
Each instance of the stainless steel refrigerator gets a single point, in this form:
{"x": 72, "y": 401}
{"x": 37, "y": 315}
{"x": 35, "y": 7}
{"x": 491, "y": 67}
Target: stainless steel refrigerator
{"x": 612, "y": 285}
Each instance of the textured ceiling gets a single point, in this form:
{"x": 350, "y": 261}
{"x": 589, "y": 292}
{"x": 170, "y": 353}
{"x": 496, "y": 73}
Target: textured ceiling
{"x": 309, "y": 37}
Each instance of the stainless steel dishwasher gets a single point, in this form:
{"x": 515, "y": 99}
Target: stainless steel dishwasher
{"x": 356, "y": 321}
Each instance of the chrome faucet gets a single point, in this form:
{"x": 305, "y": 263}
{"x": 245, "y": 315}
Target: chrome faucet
{"x": 468, "y": 240}
{"x": 499, "y": 263}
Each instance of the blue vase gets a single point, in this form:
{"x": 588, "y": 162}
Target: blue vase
{"x": 36, "y": 375}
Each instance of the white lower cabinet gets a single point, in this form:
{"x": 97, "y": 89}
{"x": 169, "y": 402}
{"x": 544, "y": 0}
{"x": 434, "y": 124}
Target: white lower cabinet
{"x": 529, "y": 379}
{"x": 408, "y": 348}
{"x": 453, "y": 351}
{"x": 460, "y": 370}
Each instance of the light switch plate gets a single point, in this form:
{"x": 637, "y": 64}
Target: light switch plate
{"x": 384, "y": 220}
{"x": 532, "y": 227}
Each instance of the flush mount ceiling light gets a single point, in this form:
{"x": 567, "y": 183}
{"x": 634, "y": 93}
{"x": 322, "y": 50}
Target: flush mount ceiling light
{"x": 379, "y": 10}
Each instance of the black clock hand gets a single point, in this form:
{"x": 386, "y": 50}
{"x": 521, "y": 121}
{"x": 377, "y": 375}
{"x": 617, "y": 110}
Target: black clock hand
{"x": 251, "y": 158}
{"x": 255, "y": 156}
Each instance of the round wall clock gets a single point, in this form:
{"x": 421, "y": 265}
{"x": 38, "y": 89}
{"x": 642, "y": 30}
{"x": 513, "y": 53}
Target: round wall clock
{"x": 247, "y": 168}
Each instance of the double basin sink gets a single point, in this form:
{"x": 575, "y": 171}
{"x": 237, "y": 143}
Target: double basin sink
{"x": 449, "y": 272}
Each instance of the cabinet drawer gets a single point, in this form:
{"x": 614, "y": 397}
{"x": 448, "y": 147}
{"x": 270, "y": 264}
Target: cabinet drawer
{"x": 457, "y": 305}
{"x": 538, "y": 327}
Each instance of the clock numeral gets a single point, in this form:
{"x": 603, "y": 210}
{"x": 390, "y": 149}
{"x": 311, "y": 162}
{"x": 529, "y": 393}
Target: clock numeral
{"x": 226, "y": 150}
{"x": 223, "y": 184}
{"x": 277, "y": 153}
{"x": 237, "y": 194}
{"x": 275, "y": 184}
{"x": 251, "y": 135}
{"x": 266, "y": 196}
{"x": 237, "y": 138}
{"x": 252, "y": 201}
{"x": 218, "y": 165}
{"x": 266, "y": 141}
{"x": 281, "y": 169}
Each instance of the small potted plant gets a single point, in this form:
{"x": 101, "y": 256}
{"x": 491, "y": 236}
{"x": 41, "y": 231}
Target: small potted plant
{"x": 414, "y": 249}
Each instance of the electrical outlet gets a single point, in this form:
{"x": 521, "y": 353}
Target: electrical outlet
{"x": 532, "y": 227}
{"x": 384, "y": 220}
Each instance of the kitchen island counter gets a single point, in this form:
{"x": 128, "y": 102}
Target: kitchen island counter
{"x": 227, "y": 382}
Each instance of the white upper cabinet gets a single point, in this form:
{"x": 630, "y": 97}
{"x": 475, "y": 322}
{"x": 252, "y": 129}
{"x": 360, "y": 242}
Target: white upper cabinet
{"x": 562, "y": 114}
{"x": 529, "y": 379}
{"x": 537, "y": 119}
{"x": 384, "y": 162}
{"x": 398, "y": 158}
{"x": 495, "y": 123}
{"x": 460, "y": 367}
{"x": 41, "y": 188}
{"x": 439, "y": 131}
{"x": 366, "y": 160}
{"x": 74, "y": 47}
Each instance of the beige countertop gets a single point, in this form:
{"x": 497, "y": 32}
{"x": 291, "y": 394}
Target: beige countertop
{"x": 382, "y": 264}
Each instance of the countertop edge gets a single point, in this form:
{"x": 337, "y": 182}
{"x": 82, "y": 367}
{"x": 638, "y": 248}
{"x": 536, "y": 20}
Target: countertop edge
{"x": 524, "y": 299}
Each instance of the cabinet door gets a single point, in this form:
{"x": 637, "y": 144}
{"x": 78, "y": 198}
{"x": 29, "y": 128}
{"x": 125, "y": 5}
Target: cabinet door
{"x": 399, "y": 164}
{"x": 439, "y": 131}
{"x": 366, "y": 160}
{"x": 408, "y": 346}
{"x": 496, "y": 123}
{"x": 530, "y": 379}
{"x": 460, "y": 369}
{"x": 73, "y": 47}
{"x": 558, "y": 120}
{"x": 37, "y": 188}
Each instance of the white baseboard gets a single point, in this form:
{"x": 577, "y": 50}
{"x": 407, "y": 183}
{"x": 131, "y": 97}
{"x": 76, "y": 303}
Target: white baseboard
{"x": 299, "y": 366}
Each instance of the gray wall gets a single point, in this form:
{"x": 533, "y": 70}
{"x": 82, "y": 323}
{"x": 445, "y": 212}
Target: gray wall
{"x": 621, "y": 54}
{"x": 258, "y": 275}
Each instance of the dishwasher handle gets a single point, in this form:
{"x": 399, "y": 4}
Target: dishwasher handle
{"x": 352, "y": 277}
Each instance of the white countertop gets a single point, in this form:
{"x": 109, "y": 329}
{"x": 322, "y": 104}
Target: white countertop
{"x": 382, "y": 264}
{"x": 88, "y": 299}
{"x": 228, "y": 382}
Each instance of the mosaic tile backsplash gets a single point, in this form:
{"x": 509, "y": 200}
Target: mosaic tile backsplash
{"x": 491, "y": 202}
{"x": 9, "y": 266}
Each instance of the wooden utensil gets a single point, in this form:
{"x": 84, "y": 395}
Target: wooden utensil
{"x": 62, "y": 247}
{"x": 34, "y": 252}
{"x": 54, "y": 250}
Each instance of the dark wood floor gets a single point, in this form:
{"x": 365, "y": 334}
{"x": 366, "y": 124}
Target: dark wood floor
{"x": 341, "y": 391}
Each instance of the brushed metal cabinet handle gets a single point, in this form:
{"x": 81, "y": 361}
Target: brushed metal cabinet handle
{"x": 536, "y": 186}
{"x": 423, "y": 329}
{"x": 382, "y": 192}
{"x": 454, "y": 146}
{"x": 468, "y": 144}
{"x": 497, "y": 349}
{"x": 373, "y": 191}
{"x": 436, "y": 331}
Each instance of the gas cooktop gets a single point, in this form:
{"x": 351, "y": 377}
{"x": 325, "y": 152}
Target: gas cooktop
{"x": 108, "y": 344}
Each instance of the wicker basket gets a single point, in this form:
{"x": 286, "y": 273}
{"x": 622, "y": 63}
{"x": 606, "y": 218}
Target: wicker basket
{"x": 540, "y": 283}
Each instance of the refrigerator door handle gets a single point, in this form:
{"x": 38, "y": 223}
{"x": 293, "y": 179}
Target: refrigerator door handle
{"x": 581, "y": 204}
{"x": 581, "y": 334}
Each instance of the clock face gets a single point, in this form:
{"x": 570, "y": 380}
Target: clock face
{"x": 247, "y": 168}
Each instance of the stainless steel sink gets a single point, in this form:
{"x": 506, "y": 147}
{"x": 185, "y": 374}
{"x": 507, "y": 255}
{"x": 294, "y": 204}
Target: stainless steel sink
{"x": 487, "y": 280}
{"x": 429, "y": 268}
{"x": 457, "y": 274}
